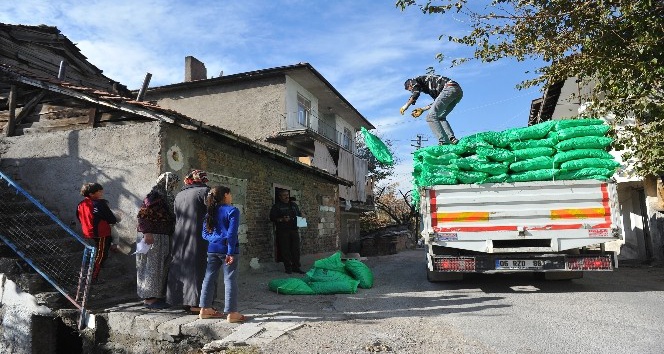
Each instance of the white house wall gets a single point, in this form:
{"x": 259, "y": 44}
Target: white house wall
{"x": 292, "y": 89}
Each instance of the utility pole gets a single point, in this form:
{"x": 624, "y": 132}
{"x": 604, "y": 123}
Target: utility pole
{"x": 418, "y": 141}
{"x": 417, "y": 146}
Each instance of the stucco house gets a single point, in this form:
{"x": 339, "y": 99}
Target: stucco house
{"x": 61, "y": 128}
{"x": 292, "y": 109}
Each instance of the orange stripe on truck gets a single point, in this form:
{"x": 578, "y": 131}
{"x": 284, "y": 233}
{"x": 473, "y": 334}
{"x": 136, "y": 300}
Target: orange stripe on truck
{"x": 584, "y": 213}
{"x": 463, "y": 216}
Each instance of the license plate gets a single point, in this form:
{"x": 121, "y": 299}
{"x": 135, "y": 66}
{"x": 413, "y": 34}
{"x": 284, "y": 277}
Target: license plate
{"x": 519, "y": 264}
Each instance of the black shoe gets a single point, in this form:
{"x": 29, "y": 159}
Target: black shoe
{"x": 298, "y": 270}
{"x": 454, "y": 141}
{"x": 288, "y": 271}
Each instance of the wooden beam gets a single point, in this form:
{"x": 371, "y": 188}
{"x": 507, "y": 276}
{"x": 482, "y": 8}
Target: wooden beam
{"x": 11, "y": 122}
{"x": 146, "y": 83}
{"x": 134, "y": 109}
{"x": 29, "y": 106}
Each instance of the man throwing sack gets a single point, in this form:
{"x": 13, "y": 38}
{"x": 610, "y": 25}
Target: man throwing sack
{"x": 446, "y": 94}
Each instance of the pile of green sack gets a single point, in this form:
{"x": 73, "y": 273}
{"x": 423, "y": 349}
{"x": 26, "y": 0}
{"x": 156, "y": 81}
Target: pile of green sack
{"x": 328, "y": 275}
{"x": 555, "y": 150}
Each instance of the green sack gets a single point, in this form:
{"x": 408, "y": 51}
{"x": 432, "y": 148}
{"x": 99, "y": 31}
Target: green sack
{"x": 576, "y": 154}
{"x": 332, "y": 262}
{"x": 468, "y": 177}
{"x": 326, "y": 275}
{"x": 361, "y": 272}
{"x": 440, "y": 169}
{"x": 536, "y": 163}
{"x": 290, "y": 286}
{"x": 586, "y": 142}
{"x": 537, "y": 131}
{"x": 467, "y": 163}
{"x": 588, "y": 130}
{"x": 442, "y": 159}
{"x": 492, "y": 168}
{"x": 495, "y": 154}
{"x": 589, "y": 162}
{"x": 377, "y": 147}
{"x": 493, "y": 138}
{"x": 497, "y": 178}
{"x": 537, "y": 175}
{"x": 586, "y": 173}
{"x": 527, "y": 144}
{"x": 525, "y": 154}
{"x": 442, "y": 176}
{"x": 470, "y": 143}
{"x": 437, "y": 150}
{"x": 417, "y": 167}
{"x": 569, "y": 123}
{"x": 334, "y": 287}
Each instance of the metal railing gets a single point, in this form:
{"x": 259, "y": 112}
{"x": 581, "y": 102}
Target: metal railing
{"x": 294, "y": 121}
{"x": 58, "y": 254}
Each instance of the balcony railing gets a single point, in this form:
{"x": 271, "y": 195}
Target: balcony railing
{"x": 295, "y": 121}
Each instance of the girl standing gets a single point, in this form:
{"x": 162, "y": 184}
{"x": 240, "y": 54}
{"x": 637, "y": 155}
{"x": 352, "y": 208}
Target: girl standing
{"x": 220, "y": 227}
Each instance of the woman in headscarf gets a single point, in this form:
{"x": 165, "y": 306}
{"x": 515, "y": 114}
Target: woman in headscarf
{"x": 188, "y": 248}
{"x": 156, "y": 221}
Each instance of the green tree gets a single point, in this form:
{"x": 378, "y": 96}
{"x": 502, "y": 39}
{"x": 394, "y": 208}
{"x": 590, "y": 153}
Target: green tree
{"x": 613, "y": 46}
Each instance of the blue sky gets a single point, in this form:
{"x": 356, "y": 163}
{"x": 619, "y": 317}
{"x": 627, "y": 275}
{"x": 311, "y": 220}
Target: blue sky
{"x": 365, "y": 48}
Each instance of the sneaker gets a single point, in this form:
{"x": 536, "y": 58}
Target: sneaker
{"x": 288, "y": 271}
{"x": 299, "y": 271}
{"x": 454, "y": 141}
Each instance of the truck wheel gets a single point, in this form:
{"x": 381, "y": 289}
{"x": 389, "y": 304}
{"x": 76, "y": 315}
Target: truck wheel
{"x": 437, "y": 276}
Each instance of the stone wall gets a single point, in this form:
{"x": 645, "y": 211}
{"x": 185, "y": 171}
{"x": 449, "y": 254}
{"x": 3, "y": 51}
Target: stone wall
{"x": 316, "y": 196}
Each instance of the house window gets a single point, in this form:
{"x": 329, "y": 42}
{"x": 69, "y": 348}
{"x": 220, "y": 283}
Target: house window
{"x": 303, "y": 110}
{"x": 346, "y": 139}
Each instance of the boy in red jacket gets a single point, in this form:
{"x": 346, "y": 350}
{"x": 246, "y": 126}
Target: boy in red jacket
{"x": 96, "y": 219}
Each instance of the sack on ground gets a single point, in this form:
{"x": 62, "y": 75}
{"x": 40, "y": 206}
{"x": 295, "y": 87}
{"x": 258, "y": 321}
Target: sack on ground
{"x": 335, "y": 287}
{"x": 332, "y": 262}
{"x": 290, "y": 286}
{"x": 360, "y": 272}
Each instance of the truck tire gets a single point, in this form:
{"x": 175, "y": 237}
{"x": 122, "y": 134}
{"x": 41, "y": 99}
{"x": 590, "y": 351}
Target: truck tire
{"x": 438, "y": 276}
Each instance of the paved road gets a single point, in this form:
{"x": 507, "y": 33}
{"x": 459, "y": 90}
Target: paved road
{"x": 619, "y": 312}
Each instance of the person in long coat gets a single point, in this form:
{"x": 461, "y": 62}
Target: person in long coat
{"x": 188, "y": 248}
{"x": 156, "y": 220}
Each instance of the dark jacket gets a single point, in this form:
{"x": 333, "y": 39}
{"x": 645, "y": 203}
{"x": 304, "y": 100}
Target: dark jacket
{"x": 429, "y": 84}
{"x": 279, "y": 210}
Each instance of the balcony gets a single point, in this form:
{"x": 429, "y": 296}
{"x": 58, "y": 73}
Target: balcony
{"x": 303, "y": 129}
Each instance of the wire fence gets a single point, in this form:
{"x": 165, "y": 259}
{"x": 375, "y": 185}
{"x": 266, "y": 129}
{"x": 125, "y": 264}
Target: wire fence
{"x": 58, "y": 254}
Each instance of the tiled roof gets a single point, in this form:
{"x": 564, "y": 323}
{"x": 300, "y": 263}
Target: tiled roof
{"x": 152, "y": 111}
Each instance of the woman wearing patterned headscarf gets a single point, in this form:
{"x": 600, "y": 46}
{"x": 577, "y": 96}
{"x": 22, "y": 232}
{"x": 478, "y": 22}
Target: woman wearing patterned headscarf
{"x": 188, "y": 248}
{"x": 156, "y": 221}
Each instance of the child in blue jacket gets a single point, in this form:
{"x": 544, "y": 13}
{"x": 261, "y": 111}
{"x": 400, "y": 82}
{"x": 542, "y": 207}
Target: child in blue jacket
{"x": 220, "y": 228}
